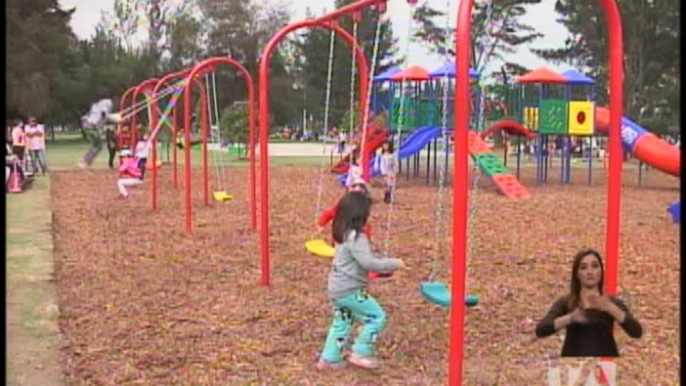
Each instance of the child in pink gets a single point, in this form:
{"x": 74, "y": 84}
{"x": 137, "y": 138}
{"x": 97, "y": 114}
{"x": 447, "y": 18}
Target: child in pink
{"x": 129, "y": 174}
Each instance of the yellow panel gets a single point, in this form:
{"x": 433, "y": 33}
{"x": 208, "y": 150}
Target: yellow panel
{"x": 531, "y": 117}
{"x": 581, "y": 118}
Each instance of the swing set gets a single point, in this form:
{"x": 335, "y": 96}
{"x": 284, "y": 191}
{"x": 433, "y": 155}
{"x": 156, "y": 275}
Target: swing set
{"x": 437, "y": 292}
{"x": 206, "y": 68}
{"x": 209, "y": 126}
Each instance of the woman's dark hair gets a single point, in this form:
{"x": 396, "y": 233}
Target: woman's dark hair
{"x": 575, "y": 284}
{"x": 390, "y": 150}
{"x": 352, "y": 213}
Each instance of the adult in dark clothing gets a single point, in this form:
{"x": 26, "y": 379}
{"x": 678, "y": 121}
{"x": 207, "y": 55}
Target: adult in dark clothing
{"x": 111, "y": 139}
{"x": 587, "y": 313}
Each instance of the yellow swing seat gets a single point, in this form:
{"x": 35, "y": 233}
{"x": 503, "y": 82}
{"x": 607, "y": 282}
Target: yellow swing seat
{"x": 319, "y": 248}
{"x": 222, "y": 196}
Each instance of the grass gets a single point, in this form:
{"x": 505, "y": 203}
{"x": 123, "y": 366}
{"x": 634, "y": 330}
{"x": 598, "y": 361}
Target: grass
{"x": 67, "y": 149}
{"x": 33, "y": 336}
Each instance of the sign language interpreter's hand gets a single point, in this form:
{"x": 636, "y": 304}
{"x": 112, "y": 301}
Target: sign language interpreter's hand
{"x": 577, "y": 316}
{"x": 599, "y": 302}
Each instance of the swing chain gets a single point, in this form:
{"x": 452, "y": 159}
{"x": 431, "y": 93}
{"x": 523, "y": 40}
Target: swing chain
{"x": 219, "y": 131}
{"x": 353, "y": 73}
{"x": 370, "y": 84}
{"x": 439, "y": 228}
{"x": 327, "y": 105}
{"x": 400, "y": 125}
{"x": 213, "y": 134}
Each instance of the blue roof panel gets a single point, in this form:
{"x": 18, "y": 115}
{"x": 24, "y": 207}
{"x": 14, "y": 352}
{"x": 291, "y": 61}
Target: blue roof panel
{"x": 575, "y": 77}
{"x": 386, "y": 75}
{"x": 448, "y": 69}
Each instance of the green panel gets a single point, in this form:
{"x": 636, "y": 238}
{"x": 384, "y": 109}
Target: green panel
{"x": 428, "y": 113}
{"x": 409, "y": 109}
{"x": 553, "y": 116}
{"x": 491, "y": 164}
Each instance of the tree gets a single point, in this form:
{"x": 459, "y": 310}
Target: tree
{"x": 240, "y": 29}
{"x": 35, "y": 62}
{"x": 497, "y": 30}
{"x": 651, "y": 54}
{"x": 156, "y": 12}
{"x": 183, "y": 33}
{"x": 313, "y": 49}
{"x": 126, "y": 20}
{"x": 234, "y": 123}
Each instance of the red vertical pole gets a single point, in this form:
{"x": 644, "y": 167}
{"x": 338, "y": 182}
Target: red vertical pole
{"x": 122, "y": 105}
{"x": 204, "y": 128}
{"x": 134, "y": 122}
{"x": 251, "y": 146}
{"x": 154, "y": 118}
{"x": 614, "y": 186}
{"x": 460, "y": 192}
{"x": 175, "y": 127}
{"x": 264, "y": 157}
{"x": 187, "y": 155}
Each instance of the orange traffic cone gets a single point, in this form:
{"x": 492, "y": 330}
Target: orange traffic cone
{"x": 14, "y": 181}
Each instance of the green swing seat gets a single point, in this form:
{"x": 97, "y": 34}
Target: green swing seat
{"x": 439, "y": 294}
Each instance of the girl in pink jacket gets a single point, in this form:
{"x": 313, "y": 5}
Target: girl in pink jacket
{"x": 129, "y": 174}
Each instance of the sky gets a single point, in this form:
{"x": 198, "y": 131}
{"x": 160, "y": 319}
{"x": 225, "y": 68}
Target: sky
{"x": 541, "y": 16}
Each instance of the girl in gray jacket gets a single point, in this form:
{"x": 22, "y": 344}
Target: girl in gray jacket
{"x": 347, "y": 286}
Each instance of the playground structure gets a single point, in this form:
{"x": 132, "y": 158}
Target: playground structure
{"x": 466, "y": 142}
{"x": 541, "y": 106}
{"x": 420, "y": 110}
{"x": 562, "y": 106}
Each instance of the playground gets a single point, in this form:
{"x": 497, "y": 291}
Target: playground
{"x": 201, "y": 273}
{"x": 141, "y": 303}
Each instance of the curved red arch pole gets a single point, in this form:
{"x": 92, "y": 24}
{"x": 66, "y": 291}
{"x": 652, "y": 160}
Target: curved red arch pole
{"x": 187, "y": 146}
{"x": 122, "y": 101}
{"x": 122, "y": 106}
{"x": 264, "y": 110}
{"x": 144, "y": 86}
{"x": 461, "y": 172}
{"x": 154, "y": 118}
{"x": 209, "y": 65}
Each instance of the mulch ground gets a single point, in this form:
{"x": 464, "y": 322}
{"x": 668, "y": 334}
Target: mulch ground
{"x": 143, "y": 304}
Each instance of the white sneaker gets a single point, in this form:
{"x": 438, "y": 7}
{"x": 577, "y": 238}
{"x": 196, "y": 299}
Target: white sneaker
{"x": 362, "y": 361}
{"x": 325, "y": 365}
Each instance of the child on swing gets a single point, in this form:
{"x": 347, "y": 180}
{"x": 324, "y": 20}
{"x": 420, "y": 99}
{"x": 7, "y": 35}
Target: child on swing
{"x": 129, "y": 174}
{"x": 358, "y": 185}
{"x": 354, "y": 171}
{"x": 347, "y": 287}
{"x": 389, "y": 169}
{"x": 142, "y": 150}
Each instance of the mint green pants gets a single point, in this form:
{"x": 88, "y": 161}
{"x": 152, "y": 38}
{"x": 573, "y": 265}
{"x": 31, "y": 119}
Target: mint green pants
{"x": 355, "y": 307}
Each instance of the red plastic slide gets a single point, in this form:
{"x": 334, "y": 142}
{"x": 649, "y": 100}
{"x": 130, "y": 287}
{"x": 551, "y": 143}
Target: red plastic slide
{"x": 510, "y": 127}
{"x": 374, "y": 141}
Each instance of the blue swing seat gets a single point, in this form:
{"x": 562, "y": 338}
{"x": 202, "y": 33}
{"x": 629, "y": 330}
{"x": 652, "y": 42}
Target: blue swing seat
{"x": 439, "y": 294}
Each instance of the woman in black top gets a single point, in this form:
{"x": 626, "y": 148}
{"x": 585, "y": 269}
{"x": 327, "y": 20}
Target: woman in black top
{"x": 588, "y": 314}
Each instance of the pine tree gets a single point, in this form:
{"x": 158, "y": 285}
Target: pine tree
{"x": 313, "y": 49}
{"x": 38, "y": 39}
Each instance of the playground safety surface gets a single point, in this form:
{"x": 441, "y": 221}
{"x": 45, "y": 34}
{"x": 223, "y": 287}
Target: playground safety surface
{"x": 143, "y": 304}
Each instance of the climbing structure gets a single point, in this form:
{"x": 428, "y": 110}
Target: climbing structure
{"x": 493, "y": 167}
